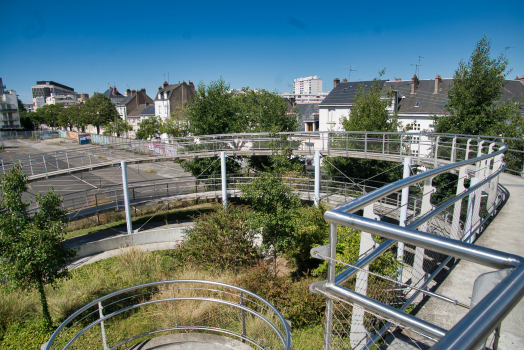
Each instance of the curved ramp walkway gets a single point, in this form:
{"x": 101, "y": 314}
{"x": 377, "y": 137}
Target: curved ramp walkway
{"x": 505, "y": 233}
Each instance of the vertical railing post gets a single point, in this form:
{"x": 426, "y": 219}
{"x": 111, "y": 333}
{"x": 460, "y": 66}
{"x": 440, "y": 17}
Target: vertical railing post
{"x": 31, "y": 165}
{"x": 317, "y": 178}
{"x": 437, "y": 140}
{"x": 224, "y": 180}
{"x": 328, "y": 322}
{"x": 468, "y": 236}
{"x": 243, "y": 318}
{"x": 126, "y": 198}
{"x": 101, "y": 314}
{"x": 454, "y": 150}
{"x": 383, "y": 145}
{"x": 403, "y": 213}
{"x": 56, "y": 158}
{"x": 455, "y": 224}
{"x": 3, "y": 170}
{"x": 67, "y": 160}
{"x": 366, "y": 145}
{"x": 45, "y": 166}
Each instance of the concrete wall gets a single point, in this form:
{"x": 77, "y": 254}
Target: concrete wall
{"x": 146, "y": 237}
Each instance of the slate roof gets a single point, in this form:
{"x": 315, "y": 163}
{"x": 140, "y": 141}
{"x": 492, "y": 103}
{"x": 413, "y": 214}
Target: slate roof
{"x": 306, "y": 112}
{"x": 149, "y": 110}
{"x": 343, "y": 94}
{"x": 109, "y": 93}
{"x": 514, "y": 90}
{"x": 169, "y": 89}
{"x": 424, "y": 101}
{"x": 138, "y": 111}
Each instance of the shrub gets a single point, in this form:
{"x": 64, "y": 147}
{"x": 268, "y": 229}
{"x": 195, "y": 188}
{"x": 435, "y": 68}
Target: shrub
{"x": 219, "y": 240}
{"x": 291, "y": 297}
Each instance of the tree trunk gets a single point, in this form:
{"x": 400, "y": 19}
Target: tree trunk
{"x": 46, "y": 317}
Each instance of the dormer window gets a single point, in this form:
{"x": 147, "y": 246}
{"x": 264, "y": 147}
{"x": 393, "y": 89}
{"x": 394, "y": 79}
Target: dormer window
{"x": 165, "y": 95}
{"x": 159, "y": 95}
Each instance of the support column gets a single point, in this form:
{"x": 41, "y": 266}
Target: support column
{"x": 418, "y": 277}
{"x": 224, "y": 182}
{"x": 468, "y": 237}
{"x": 455, "y": 224}
{"x": 126, "y": 198}
{"x": 403, "y": 213}
{"x": 317, "y": 178}
{"x": 358, "y": 333}
{"x": 328, "y": 321}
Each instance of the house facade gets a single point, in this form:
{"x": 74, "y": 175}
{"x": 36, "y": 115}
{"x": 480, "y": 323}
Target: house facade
{"x": 170, "y": 97}
{"x": 9, "y": 114}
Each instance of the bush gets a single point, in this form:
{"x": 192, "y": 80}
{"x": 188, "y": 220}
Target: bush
{"x": 219, "y": 240}
{"x": 291, "y": 297}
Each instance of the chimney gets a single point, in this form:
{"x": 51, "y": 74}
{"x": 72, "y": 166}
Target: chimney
{"x": 133, "y": 92}
{"x": 344, "y": 80}
{"x": 114, "y": 90}
{"x": 165, "y": 84}
{"x": 192, "y": 85}
{"x": 415, "y": 83}
{"x": 335, "y": 82}
{"x": 159, "y": 88}
{"x": 438, "y": 81}
{"x": 183, "y": 81}
{"x": 128, "y": 92}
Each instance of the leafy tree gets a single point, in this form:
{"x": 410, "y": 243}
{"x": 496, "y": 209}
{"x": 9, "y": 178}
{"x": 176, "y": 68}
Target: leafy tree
{"x": 31, "y": 248}
{"x": 210, "y": 166}
{"x": 275, "y": 205}
{"x": 265, "y": 111}
{"x": 48, "y": 114}
{"x": 69, "y": 117}
{"x": 98, "y": 111}
{"x": 473, "y": 105}
{"x": 118, "y": 127}
{"x": 213, "y": 110}
{"x": 149, "y": 128}
{"x": 176, "y": 124}
{"x": 369, "y": 113}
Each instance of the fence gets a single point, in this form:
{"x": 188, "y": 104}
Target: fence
{"x": 178, "y": 311}
{"x": 38, "y": 134}
{"x": 367, "y": 298}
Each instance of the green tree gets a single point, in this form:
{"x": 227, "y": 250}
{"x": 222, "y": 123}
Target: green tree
{"x": 48, "y": 114}
{"x": 176, "y": 124}
{"x": 265, "y": 111}
{"x": 474, "y": 106}
{"x": 68, "y": 117}
{"x": 31, "y": 248}
{"x": 149, "y": 128}
{"x": 369, "y": 113}
{"x": 213, "y": 110}
{"x": 275, "y": 205}
{"x": 118, "y": 127}
{"x": 98, "y": 111}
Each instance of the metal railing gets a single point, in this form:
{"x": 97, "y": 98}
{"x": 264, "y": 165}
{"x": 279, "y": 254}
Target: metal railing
{"x": 172, "y": 311}
{"x": 366, "y": 303}
{"x": 428, "y": 149}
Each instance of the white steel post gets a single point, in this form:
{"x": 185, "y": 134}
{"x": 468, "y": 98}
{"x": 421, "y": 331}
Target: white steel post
{"x": 101, "y": 314}
{"x": 224, "y": 181}
{"x": 403, "y": 212}
{"x": 455, "y": 224}
{"x": 328, "y": 320}
{"x": 317, "y": 178}
{"x": 358, "y": 332}
{"x": 470, "y": 214}
{"x": 126, "y": 198}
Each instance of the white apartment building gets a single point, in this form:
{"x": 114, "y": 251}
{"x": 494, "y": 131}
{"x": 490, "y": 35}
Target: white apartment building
{"x": 9, "y": 115}
{"x": 307, "y": 86}
{"x": 67, "y": 100}
{"x": 45, "y": 88}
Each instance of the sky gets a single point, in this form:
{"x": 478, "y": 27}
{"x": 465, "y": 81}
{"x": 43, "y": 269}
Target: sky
{"x": 91, "y": 45}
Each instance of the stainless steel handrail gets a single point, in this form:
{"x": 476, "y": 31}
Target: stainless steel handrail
{"x": 284, "y": 337}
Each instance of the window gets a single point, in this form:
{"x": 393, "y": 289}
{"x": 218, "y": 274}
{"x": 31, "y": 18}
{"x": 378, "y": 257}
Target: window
{"x": 415, "y": 126}
{"x": 331, "y": 115}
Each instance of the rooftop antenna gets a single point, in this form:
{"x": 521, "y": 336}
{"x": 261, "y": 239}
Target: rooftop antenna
{"x": 419, "y": 57}
{"x": 506, "y": 49}
{"x": 350, "y": 70}
{"x": 168, "y": 77}
{"x": 416, "y": 68}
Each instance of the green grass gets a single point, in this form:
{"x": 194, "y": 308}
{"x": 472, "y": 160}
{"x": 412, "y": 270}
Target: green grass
{"x": 20, "y": 311}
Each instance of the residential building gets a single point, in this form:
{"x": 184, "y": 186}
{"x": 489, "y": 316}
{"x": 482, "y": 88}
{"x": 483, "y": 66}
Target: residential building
{"x": 308, "y": 116}
{"x": 170, "y": 97}
{"x": 113, "y": 94}
{"x": 9, "y": 114}
{"x": 138, "y": 114}
{"x": 45, "y": 88}
{"x": 307, "y": 86}
{"x": 306, "y": 98}
{"x": 133, "y": 99}
{"x": 66, "y": 100}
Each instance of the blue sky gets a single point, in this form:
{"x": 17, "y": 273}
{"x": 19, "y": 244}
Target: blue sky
{"x": 90, "y": 45}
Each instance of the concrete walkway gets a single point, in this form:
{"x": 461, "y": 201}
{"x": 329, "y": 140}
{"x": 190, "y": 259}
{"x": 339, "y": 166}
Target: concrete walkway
{"x": 505, "y": 233}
